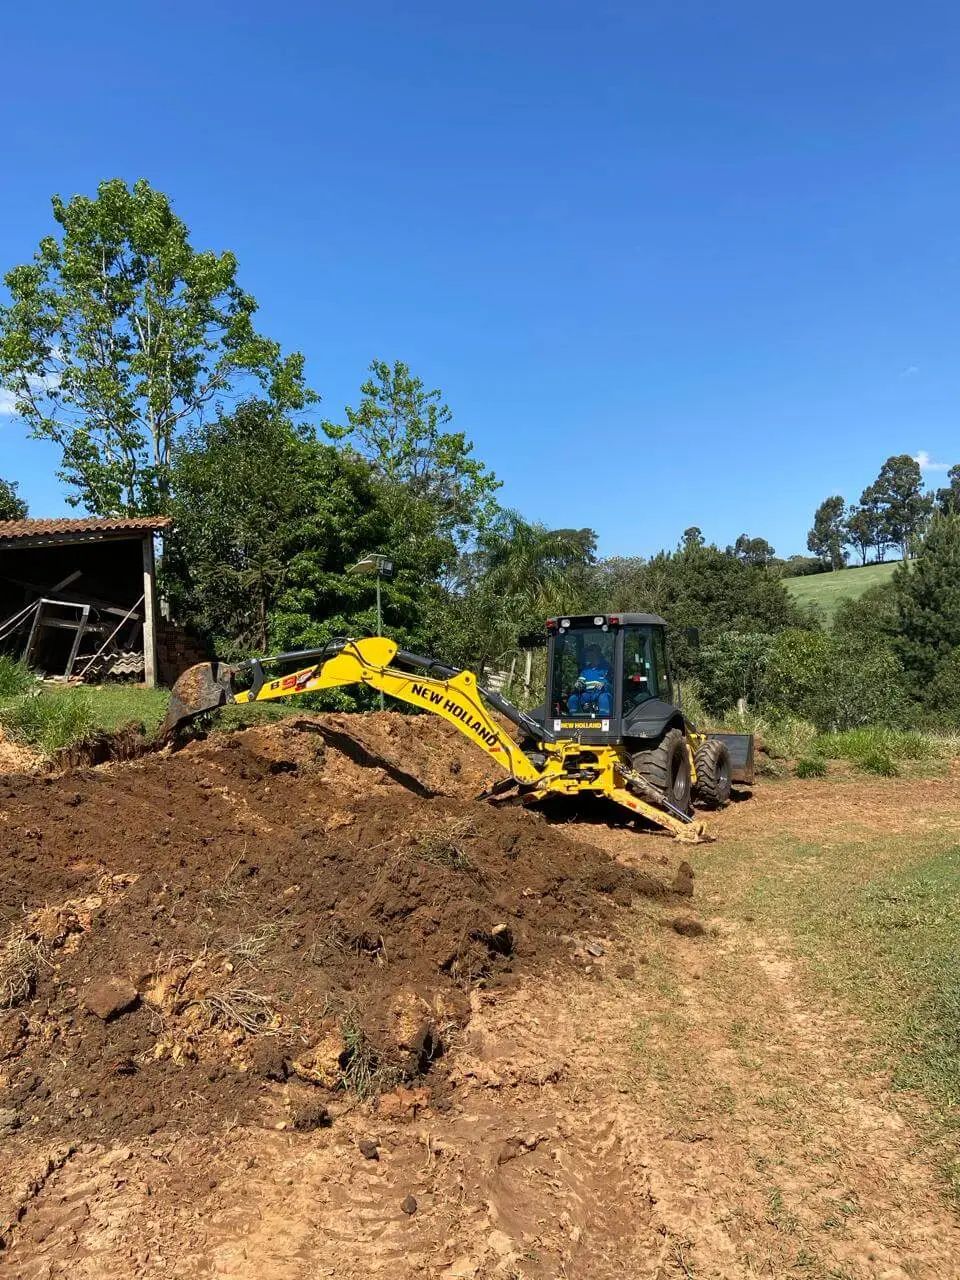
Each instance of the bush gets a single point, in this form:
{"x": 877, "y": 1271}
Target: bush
{"x": 834, "y": 682}
{"x": 879, "y": 762}
{"x": 733, "y": 667}
{"x": 15, "y": 678}
{"x": 811, "y": 767}
{"x": 788, "y": 736}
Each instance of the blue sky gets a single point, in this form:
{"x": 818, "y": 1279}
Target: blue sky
{"x": 670, "y": 263}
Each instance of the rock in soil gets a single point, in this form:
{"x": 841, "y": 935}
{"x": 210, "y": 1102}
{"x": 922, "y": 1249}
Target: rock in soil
{"x": 9, "y": 1119}
{"x": 687, "y": 927}
{"x": 409, "y": 1206}
{"x": 683, "y": 880}
{"x": 109, "y": 997}
{"x": 369, "y": 1149}
{"x": 310, "y": 1115}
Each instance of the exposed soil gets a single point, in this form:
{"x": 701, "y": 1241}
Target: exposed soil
{"x": 614, "y": 1085}
{"x": 189, "y": 932}
{"x": 15, "y": 758}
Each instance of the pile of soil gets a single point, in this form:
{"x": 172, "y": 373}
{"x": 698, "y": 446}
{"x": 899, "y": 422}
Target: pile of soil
{"x": 270, "y": 921}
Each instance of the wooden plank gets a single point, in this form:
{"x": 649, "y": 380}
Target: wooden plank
{"x": 149, "y": 615}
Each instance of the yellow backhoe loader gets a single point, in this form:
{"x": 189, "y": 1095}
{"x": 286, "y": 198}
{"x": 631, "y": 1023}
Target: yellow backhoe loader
{"x": 609, "y": 723}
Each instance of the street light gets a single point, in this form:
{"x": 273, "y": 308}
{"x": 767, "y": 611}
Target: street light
{"x": 382, "y": 567}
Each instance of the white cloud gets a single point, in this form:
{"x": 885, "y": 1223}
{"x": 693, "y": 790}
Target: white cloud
{"x": 923, "y": 458}
{"x": 910, "y": 371}
{"x": 7, "y": 403}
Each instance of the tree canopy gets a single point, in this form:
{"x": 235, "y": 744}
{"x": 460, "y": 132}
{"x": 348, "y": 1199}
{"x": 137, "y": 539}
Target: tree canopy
{"x": 826, "y": 538}
{"x": 12, "y": 506}
{"x": 119, "y": 334}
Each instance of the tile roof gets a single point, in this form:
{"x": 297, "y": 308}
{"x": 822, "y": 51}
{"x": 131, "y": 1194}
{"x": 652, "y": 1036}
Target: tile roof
{"x": 89, "y": 526}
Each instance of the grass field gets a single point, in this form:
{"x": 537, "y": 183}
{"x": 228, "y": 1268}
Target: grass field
{"x": 826, "y": 590}
{"x": 875, "y": 909}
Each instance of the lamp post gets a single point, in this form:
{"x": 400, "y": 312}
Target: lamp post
{"x": 382, "y": 567}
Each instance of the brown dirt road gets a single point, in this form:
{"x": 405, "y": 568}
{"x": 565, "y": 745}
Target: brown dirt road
{"x": 682, "y": 1104}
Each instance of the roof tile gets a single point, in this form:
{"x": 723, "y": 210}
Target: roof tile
{"x": 14, "y": 529}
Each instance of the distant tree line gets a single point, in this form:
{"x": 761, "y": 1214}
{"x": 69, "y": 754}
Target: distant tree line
{"x": 893, "y": 512}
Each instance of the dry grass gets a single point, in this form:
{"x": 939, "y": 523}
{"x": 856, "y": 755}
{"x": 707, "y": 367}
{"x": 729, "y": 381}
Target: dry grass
{"x": 251, "y": 948}
{"x": 444, "y": 845}
{"x": 20, "y": 963}
{"x": 240, "y": 1007}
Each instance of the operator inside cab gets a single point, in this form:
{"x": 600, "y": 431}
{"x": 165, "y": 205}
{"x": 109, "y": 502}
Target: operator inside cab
{"x": 593, "y": 692}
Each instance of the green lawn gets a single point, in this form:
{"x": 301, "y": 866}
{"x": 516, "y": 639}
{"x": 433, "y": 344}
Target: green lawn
{"x": 878, "y": 920}
{"x": 826, "y": 590}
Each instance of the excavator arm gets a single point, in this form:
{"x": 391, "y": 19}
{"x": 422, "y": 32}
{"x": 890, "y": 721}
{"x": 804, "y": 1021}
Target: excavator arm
{"x": 452, "y": 695}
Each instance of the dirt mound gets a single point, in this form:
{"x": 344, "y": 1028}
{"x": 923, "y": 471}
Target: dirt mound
{"x": 267, "y": 920}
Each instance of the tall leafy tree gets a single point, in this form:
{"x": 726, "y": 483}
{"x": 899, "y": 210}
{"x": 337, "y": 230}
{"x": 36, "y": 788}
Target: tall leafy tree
{"x": 703, "y": 588}
{"x": 826, "y": 538}
{"x": 119, "y": 334}
{"x": 948, "y": 498}
{"x": 928, "y": 606}
{"x": 404, "y": 431}
{"x": 904, "y": 507}
{"x": 12, "y": 506}
{"x": 873, "y": 521}
{"x": 861, "y": 530}
{"x": 266, "y": 521}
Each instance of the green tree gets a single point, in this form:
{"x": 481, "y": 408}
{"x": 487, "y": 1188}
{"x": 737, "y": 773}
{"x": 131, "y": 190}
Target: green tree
{"x": 119, "y": 334}
{"x": 948, "y": 499}
{"x": 826, "y": 538}
{"x": 402, "y": 429}
{"x": 703, "y": 588}
{"x": 12, "y": 507}
{"x": 903, "y": 506}
{"x": 266, "y": 521}
{"x": 861, "y": 530}
{"x": 756, "y": 551}
{"x": 928, "y": 607}
{"x": 874, "y": 521}
{"x": 870, "y": 619}
{"x": 520, "y": 574}
{"x": 692, "y": 538}
{"x": 731, "y": 666}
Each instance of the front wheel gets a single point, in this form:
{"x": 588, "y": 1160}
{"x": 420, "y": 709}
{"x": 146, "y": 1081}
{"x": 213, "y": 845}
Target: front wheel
{"x": 667, "y": 767}
{"x": 713, "y": 773}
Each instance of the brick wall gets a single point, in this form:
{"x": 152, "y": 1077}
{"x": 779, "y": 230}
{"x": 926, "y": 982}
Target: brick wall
{"x": 177, "y": 649}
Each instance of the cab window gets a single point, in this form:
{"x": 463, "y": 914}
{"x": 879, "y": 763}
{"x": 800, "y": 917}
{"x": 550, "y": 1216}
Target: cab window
{"x": 639, "y": 668}
{"x": 583, "y": 663}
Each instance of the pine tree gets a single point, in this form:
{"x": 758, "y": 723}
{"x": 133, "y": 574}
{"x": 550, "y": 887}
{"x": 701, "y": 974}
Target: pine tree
{"x": 928, "y": 607}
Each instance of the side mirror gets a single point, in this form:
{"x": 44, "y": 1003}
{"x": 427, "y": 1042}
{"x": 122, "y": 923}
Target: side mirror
{"x": 692, "y": 636}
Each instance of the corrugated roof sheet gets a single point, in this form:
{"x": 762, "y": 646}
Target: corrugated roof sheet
{"x": 11, "y": 530}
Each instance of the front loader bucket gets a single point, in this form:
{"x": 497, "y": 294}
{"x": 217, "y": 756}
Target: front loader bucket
{"x": 201, "y": 688}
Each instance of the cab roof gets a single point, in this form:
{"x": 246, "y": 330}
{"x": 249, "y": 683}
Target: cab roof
{"x": 621, "y": 619}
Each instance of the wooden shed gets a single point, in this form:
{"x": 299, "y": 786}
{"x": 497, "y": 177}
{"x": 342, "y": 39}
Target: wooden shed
{"x": 78, "y": 597}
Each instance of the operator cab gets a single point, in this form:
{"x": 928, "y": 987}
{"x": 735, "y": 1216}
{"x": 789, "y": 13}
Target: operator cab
{"x": 608, "y": 677}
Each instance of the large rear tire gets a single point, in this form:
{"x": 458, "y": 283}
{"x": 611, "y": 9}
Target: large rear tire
{"x": 713, "y": 773}
{"x": 667, "y": 767}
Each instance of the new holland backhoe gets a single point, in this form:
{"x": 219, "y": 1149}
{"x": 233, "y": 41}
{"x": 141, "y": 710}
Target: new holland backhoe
{"x": 609, "y": 723}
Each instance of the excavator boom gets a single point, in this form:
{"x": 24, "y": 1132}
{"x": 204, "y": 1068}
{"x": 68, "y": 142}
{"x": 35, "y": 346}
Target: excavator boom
{"x": 554, "y": 766}
{"x": 452, "y": 695}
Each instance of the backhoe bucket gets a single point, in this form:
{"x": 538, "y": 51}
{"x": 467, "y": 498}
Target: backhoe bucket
{"x": 201, "y": 688}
